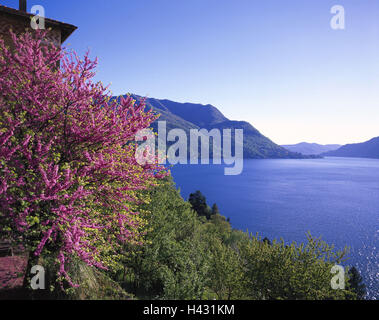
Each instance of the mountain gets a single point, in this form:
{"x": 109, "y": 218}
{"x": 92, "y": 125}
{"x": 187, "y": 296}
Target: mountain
{"x": 188, "y": 116}
{"x": 368, "y": 149}
{"x": 311, "y": 148}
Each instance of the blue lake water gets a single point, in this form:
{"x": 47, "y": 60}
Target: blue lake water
{"x": 336, "y": 198}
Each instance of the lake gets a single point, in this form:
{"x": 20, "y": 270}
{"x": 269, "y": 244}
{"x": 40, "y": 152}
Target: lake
{"x": 336, "y": 198}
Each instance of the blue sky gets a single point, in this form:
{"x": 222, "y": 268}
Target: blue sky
{"x": 275, "y": 63}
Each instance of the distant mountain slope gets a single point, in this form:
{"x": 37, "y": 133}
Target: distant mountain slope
{"x": 311, "y": 148}
{"x": 201, "y": 115}
{"x": 188, "y": 116}
{"x": 368, "y": 149}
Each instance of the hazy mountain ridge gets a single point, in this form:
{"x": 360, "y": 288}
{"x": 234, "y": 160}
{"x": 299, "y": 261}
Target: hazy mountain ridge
{"x": 188, "y": 116}
{"x": 368, "y": 149}
{"x": 306, "y": 148}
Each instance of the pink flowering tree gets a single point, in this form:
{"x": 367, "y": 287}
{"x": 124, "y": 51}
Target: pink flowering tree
{"x": 69, "y": 180}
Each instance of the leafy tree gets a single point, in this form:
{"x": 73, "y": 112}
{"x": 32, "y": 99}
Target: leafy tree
{"x": 215, "y": 209}
{"x": 236, "y": 237}
{"x": 172, "y": 264}
{"x": 218, "y": 226}
{"x": 199, "y": 204}
{"x": 356, "y": 283}
{"x": 291, "y": 272}
{"x": 267, "y": 240}
{"x": 187, "y": 257}
{"x": 226, "y": 273}
{"x": 68, "y": 175}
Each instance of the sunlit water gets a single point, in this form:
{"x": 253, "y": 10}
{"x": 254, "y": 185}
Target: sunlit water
{"x": 336, "y": 198}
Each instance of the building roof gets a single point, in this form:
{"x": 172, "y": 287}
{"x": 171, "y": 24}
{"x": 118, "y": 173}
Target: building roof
{"x": 66, "y": 29}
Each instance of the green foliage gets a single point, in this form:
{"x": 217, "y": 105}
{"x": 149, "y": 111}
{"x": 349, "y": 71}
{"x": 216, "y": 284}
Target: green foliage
{"x": 356, "y": 284}
{"x": 186, "y": 256}
{"x": 199, "y": 204}
{"x": 215, "y": 209}
{"x": 294, "y": 272}
{"x": 267, "y": 240}
{"x": 94, "y": 285}
{"x": 172, "y": 262}
{"x": 218, "y": 227}
{"x": 226, "y": 274}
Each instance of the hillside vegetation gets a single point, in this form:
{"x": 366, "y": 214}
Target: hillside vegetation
{"x": 198, "y": 255}
{"x": 188, "y": 116}
{"x": 368, "y": 149}
{"x": 311, "y": 148}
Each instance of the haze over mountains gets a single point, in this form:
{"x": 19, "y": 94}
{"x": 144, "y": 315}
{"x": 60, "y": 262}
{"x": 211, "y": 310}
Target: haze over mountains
{"x": 368, "y": 149}
{"x": 188, "y": 116}
{"x": 311, "y": 148}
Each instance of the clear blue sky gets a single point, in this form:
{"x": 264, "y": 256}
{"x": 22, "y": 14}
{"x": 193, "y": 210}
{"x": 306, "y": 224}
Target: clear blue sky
{"x": 275, "y": 63}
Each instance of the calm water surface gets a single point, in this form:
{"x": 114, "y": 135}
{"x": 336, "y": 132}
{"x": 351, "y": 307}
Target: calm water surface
{"x": 336, "y": 198}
